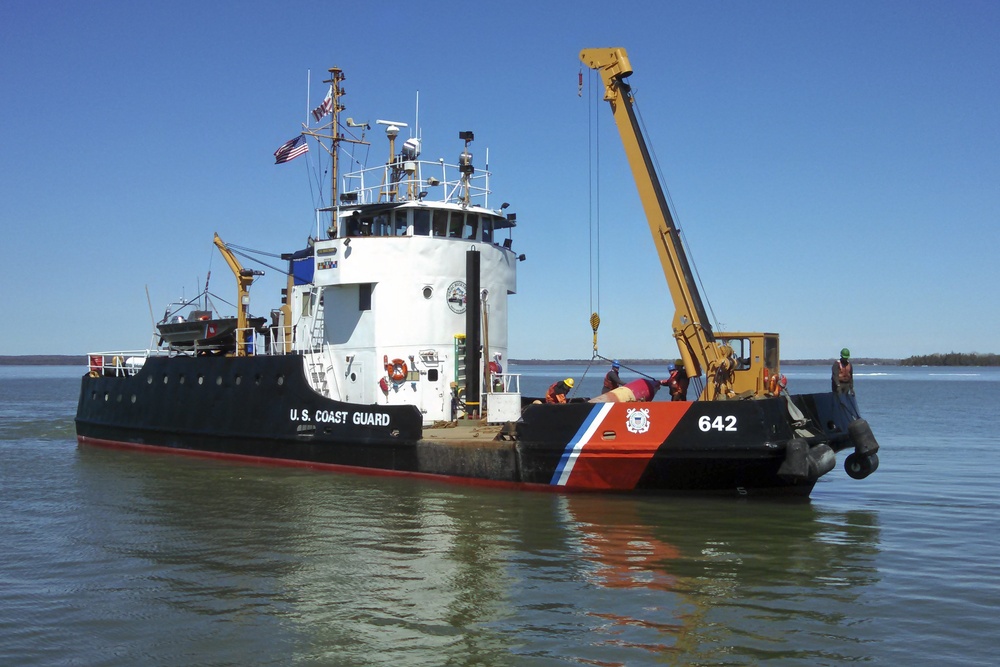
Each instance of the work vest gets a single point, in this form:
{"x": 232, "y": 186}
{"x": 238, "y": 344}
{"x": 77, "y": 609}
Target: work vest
{"x": 845, "y": 373}
{"x": 610, "y": 384}
{"x": 557, "y": 393}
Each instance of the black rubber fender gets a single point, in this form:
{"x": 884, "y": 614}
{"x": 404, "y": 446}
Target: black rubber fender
{"x": 859, "y": 466}
{"x": 796, "y": 463}
{"x": 822, "y": 460}
{"x": 862, "y": 437}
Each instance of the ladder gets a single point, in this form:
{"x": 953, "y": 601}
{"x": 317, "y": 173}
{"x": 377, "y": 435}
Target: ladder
{"x": 460, "y": 360}
{"x": 319, "y": 366}
{"x": 317, "y": 330}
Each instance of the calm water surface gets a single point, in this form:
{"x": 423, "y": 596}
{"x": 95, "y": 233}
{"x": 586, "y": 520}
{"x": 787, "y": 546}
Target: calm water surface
{"x": 121, "y": 558}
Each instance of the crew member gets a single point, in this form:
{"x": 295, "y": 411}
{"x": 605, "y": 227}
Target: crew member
{"x": 496, "y": 370}
{"x": 678, "y": 382}
{"x": 557, "y": 392}
{"x": 611, "y": 380}
{"x": 495, "y": 366}
{"x": 842, "y": 377}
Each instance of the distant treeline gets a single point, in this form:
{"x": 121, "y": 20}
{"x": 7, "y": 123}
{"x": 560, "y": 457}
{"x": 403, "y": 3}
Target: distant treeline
{"x": 953, "y": 359}
{"x": 43, "y": 360}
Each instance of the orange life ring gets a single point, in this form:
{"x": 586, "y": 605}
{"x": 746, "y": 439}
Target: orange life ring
{"x": 773, "y": 385}
{"x": 397, "y": 370}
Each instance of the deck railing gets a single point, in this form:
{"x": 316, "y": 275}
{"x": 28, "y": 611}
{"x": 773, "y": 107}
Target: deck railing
{"x": 122, "y": 363}
{"x": 419, "y": 180}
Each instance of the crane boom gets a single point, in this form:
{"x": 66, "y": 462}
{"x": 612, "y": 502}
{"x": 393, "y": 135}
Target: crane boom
{"x": 244, "y": 278}
{"x": 700, "y": 348}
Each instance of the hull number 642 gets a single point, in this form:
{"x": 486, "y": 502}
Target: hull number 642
{"x": 719, "y": 423}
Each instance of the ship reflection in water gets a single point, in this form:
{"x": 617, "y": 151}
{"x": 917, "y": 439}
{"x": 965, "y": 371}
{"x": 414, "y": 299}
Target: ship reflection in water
{"x": 297, "y": 567}
{"x": 724, "y": 580}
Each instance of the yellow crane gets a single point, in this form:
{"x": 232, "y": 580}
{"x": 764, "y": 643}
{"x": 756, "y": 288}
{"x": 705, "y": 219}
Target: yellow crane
{"x": 244, "y": 279}
{"x": 736, "y": 365}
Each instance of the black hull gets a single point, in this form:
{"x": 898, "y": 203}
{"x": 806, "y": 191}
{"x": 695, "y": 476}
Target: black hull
{"x": 262, "y": 409}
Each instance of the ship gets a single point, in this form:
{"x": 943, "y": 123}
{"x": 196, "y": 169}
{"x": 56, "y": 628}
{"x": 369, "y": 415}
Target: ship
{"x": 382, "y": 353}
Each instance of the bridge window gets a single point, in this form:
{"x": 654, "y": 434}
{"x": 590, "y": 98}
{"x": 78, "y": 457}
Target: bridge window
{"x": 455, "y": 228}
{"x": 471, "y": 228}
{"x": 399, "y": 223}
{"x": 382, "y": 225}
{"x": 488, "y": 228}
{"x": 421, "y": 222}
{"x": 439, "y": 223}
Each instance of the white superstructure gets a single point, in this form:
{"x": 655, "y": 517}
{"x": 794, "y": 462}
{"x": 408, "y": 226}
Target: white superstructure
{"x": 383, "y": 317}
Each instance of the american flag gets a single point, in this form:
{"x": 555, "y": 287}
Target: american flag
{"x": 291, "y": 149}
{"x": 324, "y": 108}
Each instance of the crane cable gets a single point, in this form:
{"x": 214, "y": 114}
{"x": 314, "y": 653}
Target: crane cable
{"x": 676, "y": 216}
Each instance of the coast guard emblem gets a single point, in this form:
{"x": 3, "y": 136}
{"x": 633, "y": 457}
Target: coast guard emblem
{"x": 456, "y": 297}
{"x": 637, "y": 420}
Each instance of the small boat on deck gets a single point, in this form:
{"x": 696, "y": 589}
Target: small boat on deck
{"x": 200, "y": 332}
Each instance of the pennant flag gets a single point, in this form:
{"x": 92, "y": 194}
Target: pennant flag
{"x": 326, "y": 107}
{"x": 291, "y": 149}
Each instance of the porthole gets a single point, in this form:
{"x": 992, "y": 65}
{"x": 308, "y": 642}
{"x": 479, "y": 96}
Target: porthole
{"x": 218, "y": 381}
{"x": 256, "y": 379}
{"x": 106, "y": 396}
{"x": 354, "y": 377}
{"x": 149, "y": 380}
{"x": 239, "y": 380}
{"x": 201, "y": 379}
{"x": 133, "y": 398}
{"x": 281, "y": 380}
{"x": 93, "y": 395}
{"x": 428, "y": 292}
{"x": 181, "y": 379}
{"x": 164, "y": 379}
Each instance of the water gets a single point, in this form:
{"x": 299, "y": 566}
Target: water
{"x": 122, "y": 558}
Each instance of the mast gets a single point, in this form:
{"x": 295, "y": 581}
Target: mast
{"x": 336, "y": 138}
{"x": 336, "y": 76}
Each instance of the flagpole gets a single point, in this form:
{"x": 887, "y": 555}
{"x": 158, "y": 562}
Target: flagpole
{"x": 308, "y": 83}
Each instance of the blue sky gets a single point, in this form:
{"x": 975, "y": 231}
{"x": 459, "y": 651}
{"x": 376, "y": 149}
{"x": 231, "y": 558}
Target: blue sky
{"x": 834, "y": 166}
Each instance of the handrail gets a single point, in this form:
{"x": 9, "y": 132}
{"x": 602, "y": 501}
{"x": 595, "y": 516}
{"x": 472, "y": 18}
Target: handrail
{"x": 121, "y": 363}
{"x": 506, "y": 383}
{"x": 411, "y": 187}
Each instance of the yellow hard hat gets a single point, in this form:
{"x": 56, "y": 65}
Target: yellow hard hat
{"x": 569, "y": 382}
